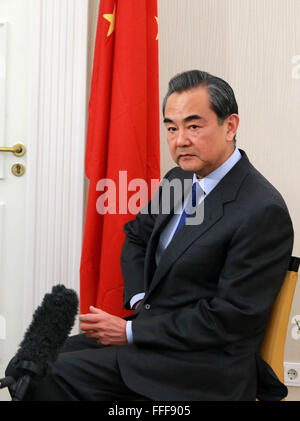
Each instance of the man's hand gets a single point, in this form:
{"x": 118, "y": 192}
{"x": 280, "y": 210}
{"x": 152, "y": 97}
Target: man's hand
{"x": 106, "y": 328}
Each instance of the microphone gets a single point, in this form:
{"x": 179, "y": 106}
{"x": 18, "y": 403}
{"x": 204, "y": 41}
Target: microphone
{"x": 47, "y": 333}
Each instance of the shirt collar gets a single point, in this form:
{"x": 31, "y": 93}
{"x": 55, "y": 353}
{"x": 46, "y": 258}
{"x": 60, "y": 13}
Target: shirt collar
{"x": 209, "y": 182}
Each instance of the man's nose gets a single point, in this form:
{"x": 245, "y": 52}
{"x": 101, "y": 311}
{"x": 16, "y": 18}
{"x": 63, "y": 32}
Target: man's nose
{"x": 182, "y": 138}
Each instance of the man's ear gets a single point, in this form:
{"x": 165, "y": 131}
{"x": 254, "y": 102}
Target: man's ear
{"x": 232, "y": 126}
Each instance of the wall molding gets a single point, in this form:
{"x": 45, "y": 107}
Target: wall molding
{"x": 3, "y": 56}
{"x": 56, "y": 147}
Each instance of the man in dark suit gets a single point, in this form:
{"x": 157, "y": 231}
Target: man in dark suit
{"x": 202, "y": 290}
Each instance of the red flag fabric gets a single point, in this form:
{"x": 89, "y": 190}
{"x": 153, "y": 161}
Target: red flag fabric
{"x": 122, "y": 143}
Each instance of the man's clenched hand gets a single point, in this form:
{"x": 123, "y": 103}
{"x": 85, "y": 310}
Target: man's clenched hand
{"x": 106, "y": 328}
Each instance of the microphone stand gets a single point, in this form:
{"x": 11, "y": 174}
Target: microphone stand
{"x": 18, "y": 387}
{"x": 7, "y": 382}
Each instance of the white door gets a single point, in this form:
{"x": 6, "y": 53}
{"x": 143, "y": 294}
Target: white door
{"x": 14, "y": 53}
{"x": 43, "y": 106}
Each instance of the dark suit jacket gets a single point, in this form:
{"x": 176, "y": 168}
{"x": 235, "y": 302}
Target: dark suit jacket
{"x": 198, "y": 330}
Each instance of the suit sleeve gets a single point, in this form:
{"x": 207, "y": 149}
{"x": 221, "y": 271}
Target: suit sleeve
{"x": 255, "y": 267}
{"x": 138, "y": 233}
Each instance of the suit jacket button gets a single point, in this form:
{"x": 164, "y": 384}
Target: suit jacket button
{"x": 147, "y": 306}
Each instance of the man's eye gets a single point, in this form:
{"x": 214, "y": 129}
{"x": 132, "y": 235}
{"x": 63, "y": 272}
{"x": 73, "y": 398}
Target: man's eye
{"x": 194, "y": 127}
{"x": 171, "y": 129}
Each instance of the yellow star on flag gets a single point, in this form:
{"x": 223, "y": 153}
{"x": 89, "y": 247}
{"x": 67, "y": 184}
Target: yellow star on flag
{"x": 156, "y": 18}
{"x": 111, "y": 17}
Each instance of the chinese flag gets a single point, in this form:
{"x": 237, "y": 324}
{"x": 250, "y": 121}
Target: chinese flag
{"x": 123, "y": 136}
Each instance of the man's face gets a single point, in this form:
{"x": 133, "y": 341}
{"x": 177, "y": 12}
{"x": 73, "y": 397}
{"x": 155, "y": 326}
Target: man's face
{"x": 196, "y": 140}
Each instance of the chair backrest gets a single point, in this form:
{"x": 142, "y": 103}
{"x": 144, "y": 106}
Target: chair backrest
{"x": 273, "y": 345}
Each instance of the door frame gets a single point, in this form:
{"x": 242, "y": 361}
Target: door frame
{"x": 54, "y": 210}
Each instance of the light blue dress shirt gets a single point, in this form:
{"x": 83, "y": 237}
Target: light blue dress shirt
{"x": 207, "y": 184}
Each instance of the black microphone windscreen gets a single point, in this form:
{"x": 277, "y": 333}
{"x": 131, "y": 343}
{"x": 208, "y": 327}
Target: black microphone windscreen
{"x": 50, "y": 327}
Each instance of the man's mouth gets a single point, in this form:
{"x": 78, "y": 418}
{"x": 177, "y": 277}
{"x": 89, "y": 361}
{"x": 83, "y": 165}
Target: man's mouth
{"x": 185, "y": 156}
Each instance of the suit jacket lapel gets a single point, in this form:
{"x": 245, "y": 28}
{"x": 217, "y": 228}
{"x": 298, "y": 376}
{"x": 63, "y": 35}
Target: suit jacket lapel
{"x": 161, "y": 221}
{"x": 213, "y": 211}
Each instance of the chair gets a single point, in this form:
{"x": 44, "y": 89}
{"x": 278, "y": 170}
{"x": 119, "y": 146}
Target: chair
{"x": 273, "y": 345}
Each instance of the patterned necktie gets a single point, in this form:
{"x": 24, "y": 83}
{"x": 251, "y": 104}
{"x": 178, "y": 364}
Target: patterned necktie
{"x": 184, "y": 213}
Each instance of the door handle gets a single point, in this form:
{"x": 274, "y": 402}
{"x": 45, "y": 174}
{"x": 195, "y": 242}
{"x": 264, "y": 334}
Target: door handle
{"x": 19, "y": 149}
